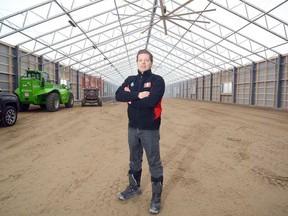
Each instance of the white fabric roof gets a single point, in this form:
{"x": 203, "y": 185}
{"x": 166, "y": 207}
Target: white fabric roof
{"x": 108, "y": 34}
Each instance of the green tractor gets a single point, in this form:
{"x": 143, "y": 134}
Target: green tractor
{"x": 36, "y": 88}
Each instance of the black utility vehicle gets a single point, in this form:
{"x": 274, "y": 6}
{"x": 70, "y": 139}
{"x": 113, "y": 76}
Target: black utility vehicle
{"x": 9, "y": 107}
{"x": 91, "y": 96}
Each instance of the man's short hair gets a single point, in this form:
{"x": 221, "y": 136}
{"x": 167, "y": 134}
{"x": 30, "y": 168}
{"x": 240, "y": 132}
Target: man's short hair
{"x": 144, "y": 51}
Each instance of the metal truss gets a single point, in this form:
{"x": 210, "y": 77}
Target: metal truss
{"x": 106, "y": 43}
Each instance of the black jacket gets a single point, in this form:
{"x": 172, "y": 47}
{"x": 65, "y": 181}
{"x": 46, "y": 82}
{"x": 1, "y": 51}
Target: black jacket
{"x": 144, "y": 114}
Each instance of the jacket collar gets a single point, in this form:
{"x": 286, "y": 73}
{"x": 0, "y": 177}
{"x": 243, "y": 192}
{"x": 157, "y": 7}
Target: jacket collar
{"x": 146, "y": 73}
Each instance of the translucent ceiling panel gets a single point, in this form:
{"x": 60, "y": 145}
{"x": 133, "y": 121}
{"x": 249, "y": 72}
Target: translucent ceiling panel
{"x": 189, "y": 39}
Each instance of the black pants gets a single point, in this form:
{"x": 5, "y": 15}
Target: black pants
{"x": 149, "y": 141}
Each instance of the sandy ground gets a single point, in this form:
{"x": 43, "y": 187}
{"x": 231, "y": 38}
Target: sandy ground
{"x": 219, "y": 159}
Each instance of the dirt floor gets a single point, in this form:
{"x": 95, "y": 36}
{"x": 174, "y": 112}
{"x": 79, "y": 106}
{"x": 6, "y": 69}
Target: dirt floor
{"x": 219, "y": 160}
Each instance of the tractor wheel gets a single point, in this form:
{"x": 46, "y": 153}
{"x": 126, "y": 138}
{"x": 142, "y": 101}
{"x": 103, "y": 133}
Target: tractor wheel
{"x": 100, "y": 102}
{"x": 53, "y": 102}
{"x": 24, "y": 107}
{"x": 82, "y": 102}
{"x": 9, "y": 117}
{"x": 70, "y": 102}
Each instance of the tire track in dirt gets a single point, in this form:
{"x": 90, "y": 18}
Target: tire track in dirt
{"x": 68, "y": 119}
{"x": 181, "y": 158}
{"x": 191, "y": 137}
{"x": 63, "y": 191}
{"x": 44, "y": 145}
{"x": 81, "y": 163}
{"x": 107, "y": 197}
{"x": 268, "y": 177}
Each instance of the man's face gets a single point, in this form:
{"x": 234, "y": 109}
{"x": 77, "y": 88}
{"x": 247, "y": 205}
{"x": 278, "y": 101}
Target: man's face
{"x": 144, "y": 63}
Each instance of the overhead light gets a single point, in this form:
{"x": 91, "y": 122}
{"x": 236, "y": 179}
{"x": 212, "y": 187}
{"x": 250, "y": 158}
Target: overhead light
{"x": 72, "y": 23}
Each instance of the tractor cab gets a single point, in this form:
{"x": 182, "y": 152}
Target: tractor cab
{"x": 33, "y": 74}
{"x": 38, "y": 75}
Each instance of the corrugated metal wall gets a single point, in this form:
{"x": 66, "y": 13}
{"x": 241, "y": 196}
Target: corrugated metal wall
{"x": 7, "y": 76}
{"x": 207, "y": 83}
{"x": 200, "y": 87}
{"x": 13, "y": 60}
{"x": 49, "y": 67}
{"x": 284, "y": 84}
{"x": 226, "y": 77}
{"x": 243, "y": 85}
{"x": 193, "y": 88}
{"x": 263, "y": 84}
{"x": 27, "y": 62}
{"x": 216, "y": 83}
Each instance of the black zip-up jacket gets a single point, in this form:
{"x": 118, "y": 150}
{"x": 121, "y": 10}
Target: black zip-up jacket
{"x": 143, "y": 114}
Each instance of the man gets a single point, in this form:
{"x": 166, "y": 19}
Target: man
{"x": 143, "y": 93}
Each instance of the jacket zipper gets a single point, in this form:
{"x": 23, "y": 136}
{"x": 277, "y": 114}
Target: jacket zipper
{"x": 140, "y": 83}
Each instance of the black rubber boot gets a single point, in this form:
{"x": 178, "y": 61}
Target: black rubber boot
{"x": 133, "y": 189}
{"x": 155, "y": 204}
